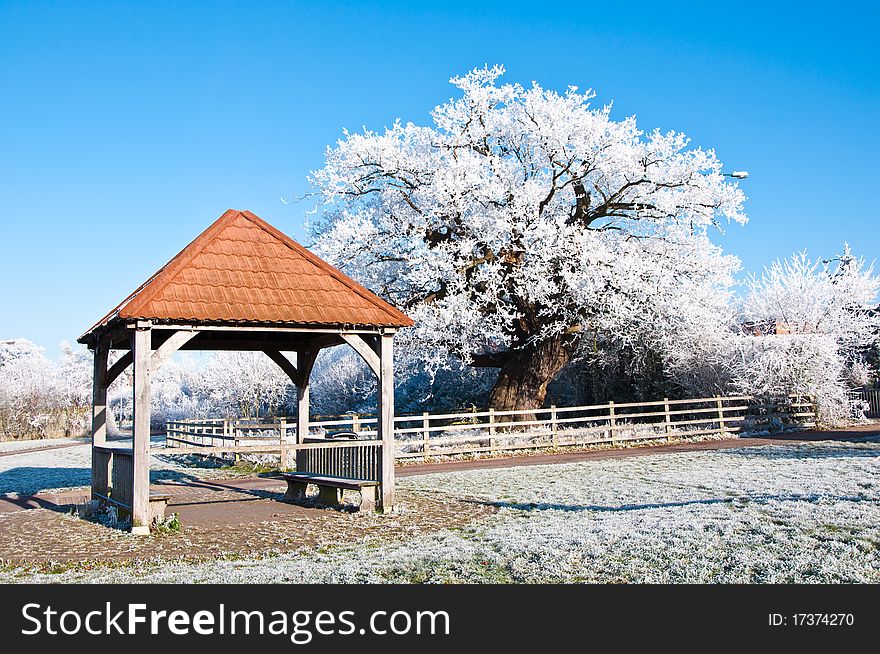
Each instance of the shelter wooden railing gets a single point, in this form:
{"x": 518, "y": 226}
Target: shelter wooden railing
{"x": 113, "y": 475}
{"x": 351, "y": 459}
{"x": 446, "y": 434}
{"x": 355, "y": 459}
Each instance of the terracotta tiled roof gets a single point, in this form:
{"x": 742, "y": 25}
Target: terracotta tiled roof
{"x": 243, "y": 270}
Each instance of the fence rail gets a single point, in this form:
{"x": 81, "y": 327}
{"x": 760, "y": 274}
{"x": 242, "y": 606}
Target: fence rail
{"x": 871, "y": 397}
{"x": 428, "y": 435}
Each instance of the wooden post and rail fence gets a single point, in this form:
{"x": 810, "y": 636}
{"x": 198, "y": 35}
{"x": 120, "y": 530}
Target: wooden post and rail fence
{"x": 430, "y": 435}
{"x": 871, "y": 399}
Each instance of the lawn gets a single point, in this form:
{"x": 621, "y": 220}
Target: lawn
{"x": 30, "y": 471}
{"x": 780, "y": 513}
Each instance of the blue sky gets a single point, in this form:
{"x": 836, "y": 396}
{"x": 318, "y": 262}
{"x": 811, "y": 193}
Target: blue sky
{"x": 126, "y": 129}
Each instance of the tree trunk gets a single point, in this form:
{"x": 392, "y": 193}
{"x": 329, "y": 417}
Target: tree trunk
{"x": 522, "y": 382}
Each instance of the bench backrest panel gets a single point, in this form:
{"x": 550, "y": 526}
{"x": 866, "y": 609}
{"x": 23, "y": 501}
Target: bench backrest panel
{"x": 355, "y": 462}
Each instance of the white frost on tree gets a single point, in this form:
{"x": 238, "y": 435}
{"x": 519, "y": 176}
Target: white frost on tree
{"x": 246, "y": 384}
{"x": 41, "y": 398}
{"x": 524, "y": 226}
{"x": 812, "y": 323}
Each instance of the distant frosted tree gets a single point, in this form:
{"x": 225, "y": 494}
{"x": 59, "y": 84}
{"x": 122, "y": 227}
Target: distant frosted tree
{"x": 26, "y": 389}
{"x": 73, "y": 387}
{"x": 822, "y": 322}
{"x": 246, "y": 384}
{"x": 39, "y": 397}
{"x": 342, "y": 382}
{"x": 525, "y": 226}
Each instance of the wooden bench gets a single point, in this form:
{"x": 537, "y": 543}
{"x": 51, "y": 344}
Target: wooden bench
{"x": 329, "y": 488}
{"x": 158, "y": 504}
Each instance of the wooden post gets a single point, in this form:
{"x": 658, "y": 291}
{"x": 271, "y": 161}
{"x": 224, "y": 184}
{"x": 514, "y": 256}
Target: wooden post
{"x": 721, "y": 426}
{"x": 229, "y": 434}
{"x": 140, "y": 501}
{"x": 554, "y": 428}
{"x": 284, "y": 464}
{"x": 305, "y": 359}
{"x": 356, "y": 423}
{"x": 611, "y": 421}
{"x": 100, "y": 464}
{"x": 386, "y": 418}
{"x": 302, "y": 412}
{"x": 426, "y": 433}
{"x": 667, "y": 419}
{"x": 492, "y": 430}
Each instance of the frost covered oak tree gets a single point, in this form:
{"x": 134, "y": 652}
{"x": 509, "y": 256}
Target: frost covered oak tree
{"x": 523, "y": 225}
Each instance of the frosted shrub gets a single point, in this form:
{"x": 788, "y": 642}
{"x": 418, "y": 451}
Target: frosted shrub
{"x": 817, "y": 320}
{"x": 40, "y": 398}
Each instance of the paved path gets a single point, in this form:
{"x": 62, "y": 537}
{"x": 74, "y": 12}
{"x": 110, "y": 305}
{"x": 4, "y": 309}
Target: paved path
{"x": 222, "y": 501}
{"x": 45, "y": 448}
{"x": 855, "y": 433}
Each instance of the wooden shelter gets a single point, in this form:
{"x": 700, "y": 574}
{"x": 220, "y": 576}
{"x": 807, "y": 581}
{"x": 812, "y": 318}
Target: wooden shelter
{"x": 241, "y": 285}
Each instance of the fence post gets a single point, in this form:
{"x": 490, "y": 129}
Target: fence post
{"x": 356, "y": 423}
{"x": 282, "y": 442}
{"x": 553, "y": 427}
{"x": 611, "y": 421}
{"x": 492, "y": 429}
{"x": 667, "y": 419}
{"x": 426, "y": 432}
{"x": 722, "y": 429}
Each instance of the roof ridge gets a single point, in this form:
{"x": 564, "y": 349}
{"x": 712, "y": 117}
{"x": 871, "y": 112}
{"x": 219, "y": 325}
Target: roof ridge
{"x": 139, "y": 303}
{"x": 166, "y": 273}
{"x": 337, "y": 274}
{"x": 136, "y": 293}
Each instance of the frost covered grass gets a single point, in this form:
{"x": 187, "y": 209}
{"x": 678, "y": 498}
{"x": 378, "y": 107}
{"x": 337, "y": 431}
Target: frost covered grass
{"x": 34, "y": 444}
{"x": 771, "y": 514}
{"x": 34, "y": 471}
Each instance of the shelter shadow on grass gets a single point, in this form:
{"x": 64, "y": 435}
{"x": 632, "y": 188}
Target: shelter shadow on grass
{"x": 787, "y": 452}
{"x": 27, "y": 480}
{"x": 737, "y": 499}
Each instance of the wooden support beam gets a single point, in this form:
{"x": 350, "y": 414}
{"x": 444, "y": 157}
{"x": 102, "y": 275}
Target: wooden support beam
{"x": 266, "y": 328}
{"x": 372, "y": 341}
{"x": 305, "y": 361}
{"x": 118, "y": 368}
{"x": 169, "y": 347}
{"x": 119, "y": 338}
{"x": 255, "y": 342}
{"x": 367, "y": 353}
{"x": 285, "y": 364}
{"x": 317, "y": 343}
{"x": 386, "y": 418}
{"x": 100, "y": 464}
{"x": 140, "y": 500}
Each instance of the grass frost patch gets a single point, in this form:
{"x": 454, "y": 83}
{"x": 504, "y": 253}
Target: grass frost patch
{"x": 781, "y": 513}
{"x": 29, "y": 472}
